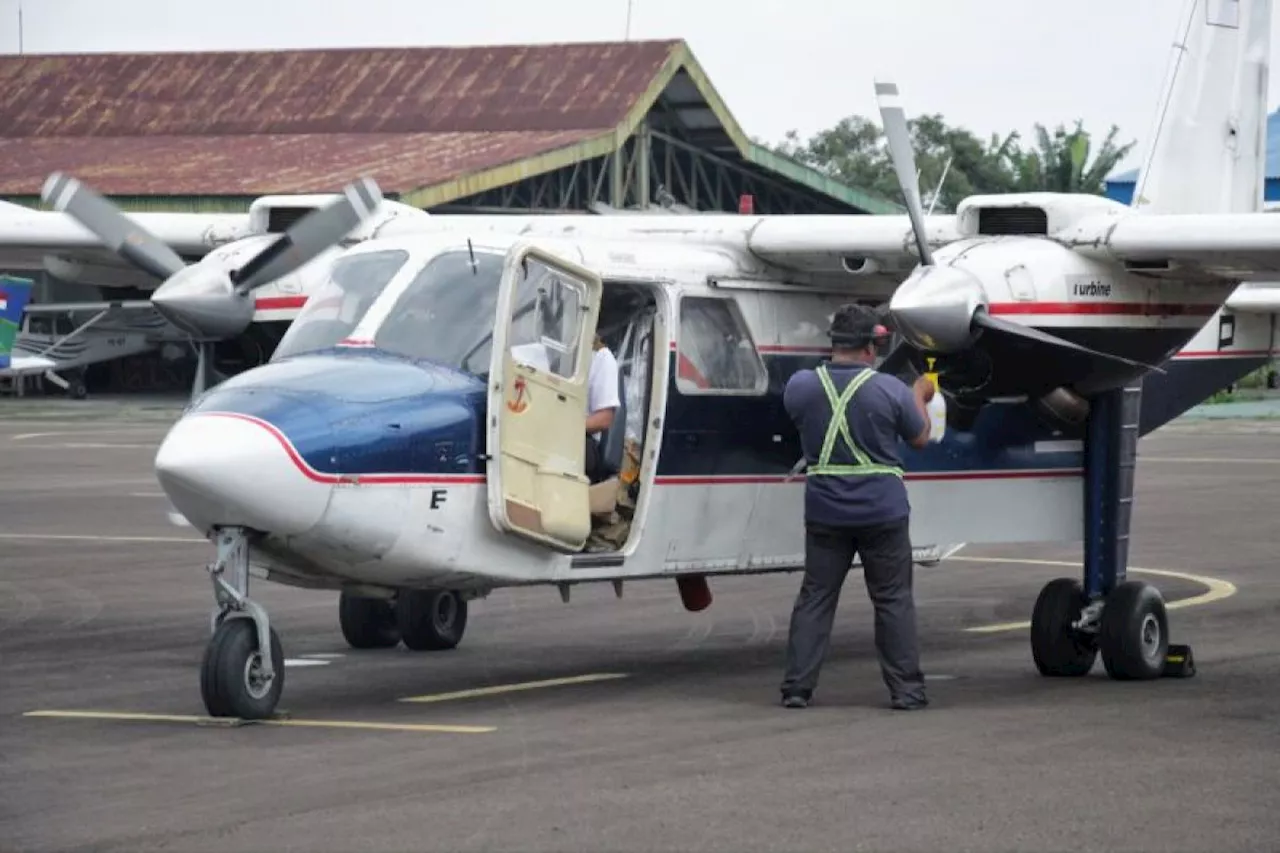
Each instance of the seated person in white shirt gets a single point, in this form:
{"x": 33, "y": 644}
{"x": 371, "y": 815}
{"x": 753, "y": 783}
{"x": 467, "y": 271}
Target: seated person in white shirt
{"x": 602, "y": 405}
{"x": 602, "y": 396}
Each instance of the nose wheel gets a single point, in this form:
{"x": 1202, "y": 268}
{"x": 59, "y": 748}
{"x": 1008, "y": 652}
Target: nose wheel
{"x": 242, "y": 675}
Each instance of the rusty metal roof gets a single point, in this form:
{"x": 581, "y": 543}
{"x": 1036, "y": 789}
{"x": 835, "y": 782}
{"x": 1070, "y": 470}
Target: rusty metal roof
{"x": 265, "y": 163}
{"x": 307, "y": 120}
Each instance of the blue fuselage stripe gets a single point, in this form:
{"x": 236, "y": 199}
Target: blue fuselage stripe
{"x": 362, "y": 412}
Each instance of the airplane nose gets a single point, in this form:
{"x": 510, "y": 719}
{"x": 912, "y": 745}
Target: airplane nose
{"x": 237, "y": 470}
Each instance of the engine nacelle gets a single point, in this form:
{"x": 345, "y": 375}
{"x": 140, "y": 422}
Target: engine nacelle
{"x": 1030, "y": 214}
{"x": 273, "y": 214}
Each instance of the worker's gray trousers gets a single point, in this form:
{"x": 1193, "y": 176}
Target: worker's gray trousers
{"x": 887, "y": 568}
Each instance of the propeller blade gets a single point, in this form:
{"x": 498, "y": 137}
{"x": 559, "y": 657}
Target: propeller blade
{"x": 1036, "y": 336}
{"x": 904, "y": 161}
{"x": 310, "y": 236}
{"x": 119, "y": 233}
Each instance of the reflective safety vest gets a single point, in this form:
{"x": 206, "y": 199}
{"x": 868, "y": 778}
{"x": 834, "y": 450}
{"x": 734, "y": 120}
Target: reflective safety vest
{"x": 840, "y": 424}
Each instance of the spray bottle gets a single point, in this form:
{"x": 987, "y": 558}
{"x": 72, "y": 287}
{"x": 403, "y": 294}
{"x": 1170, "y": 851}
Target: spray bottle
{"x": 937, "y": 407}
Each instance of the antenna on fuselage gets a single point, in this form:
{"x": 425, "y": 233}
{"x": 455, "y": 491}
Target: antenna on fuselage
{"x": 472, "y": 254}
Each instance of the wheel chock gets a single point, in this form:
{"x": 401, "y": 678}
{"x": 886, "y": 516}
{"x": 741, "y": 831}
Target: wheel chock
{"x": 1179, "y": 662}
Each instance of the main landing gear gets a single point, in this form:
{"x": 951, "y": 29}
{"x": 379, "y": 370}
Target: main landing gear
{"x": 1123, "y": 620}
{"x": 424, "y": 620}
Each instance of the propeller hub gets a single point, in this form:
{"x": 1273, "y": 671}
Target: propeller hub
{"x": 201, "y": 301}
{"x": 933, "y": 309}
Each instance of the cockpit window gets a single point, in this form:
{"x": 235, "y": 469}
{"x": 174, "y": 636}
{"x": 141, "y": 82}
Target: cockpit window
{"x": 338, "y": 306}
{"x": 446, "y": 315}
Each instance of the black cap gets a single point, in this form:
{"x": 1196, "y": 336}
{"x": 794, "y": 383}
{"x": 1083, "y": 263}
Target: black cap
{"x": 856, "y": 326}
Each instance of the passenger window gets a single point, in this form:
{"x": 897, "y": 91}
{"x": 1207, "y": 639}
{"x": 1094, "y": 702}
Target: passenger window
{"x": 546, "y": 319}
{"x": 716, "y": 354}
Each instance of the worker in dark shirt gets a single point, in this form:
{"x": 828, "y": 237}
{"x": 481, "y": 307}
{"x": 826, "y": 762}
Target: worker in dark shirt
{"x": 850, "y": 419}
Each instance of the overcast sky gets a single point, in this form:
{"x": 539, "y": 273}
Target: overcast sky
{"x": 990, "y": 65}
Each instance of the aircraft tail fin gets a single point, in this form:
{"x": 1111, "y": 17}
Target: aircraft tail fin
{"x": 1208, "y": 146}
{"x": 15, "y": 293}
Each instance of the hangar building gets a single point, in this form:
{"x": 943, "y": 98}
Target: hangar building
{"x": 587, "y": 127}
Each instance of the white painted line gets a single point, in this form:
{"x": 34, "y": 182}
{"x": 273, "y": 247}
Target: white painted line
{"x": 1217, "y": 589}
{"x": 71, "y": 445}
{"x": 301, "y": 662}
{"x": 324, "y": 656}
{"x": 78, "y": 537}
{"x": 88, "y": 432}
{"x": 1209, "y": 460}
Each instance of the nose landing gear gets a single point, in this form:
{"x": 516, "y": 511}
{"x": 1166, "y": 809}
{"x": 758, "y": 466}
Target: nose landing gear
{"x": 237, "y": 679}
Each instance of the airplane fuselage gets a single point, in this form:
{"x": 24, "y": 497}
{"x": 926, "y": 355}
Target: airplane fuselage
{"x": 360, "y": 463}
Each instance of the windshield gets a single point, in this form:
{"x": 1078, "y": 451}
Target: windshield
{"x": 335, "y": 309}
{"x": 446, "y": 315}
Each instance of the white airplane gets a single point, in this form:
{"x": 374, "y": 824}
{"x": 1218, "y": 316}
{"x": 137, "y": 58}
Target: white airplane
{"x": 85, "y": 240}
{"x": 395, "y": 451}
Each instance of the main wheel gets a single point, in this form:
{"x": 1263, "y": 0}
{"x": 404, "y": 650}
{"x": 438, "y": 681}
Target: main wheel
{"x": 1057, "y": 649}
{"x": 231, "y": 680}
{"x": 431, "y": 620}
{"x": 367, "y": 623}
{"x": 1134, "y": 634}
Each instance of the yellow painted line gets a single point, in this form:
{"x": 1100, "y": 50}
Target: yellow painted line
{"x": 223, "y": 721}
{"x": 1218, "y": 589}
{"x": 516, "y": 688}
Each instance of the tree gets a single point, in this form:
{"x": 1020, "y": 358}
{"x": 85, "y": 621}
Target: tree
{"x": 855, "y": 153}
{"x": 1060, "y": 163}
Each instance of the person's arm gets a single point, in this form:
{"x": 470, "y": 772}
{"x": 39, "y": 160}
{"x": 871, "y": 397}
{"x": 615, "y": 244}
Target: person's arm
{"x": 602, "y": 386}
{"x": 913, "y": 416}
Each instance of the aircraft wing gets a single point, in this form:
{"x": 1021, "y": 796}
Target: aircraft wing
{"x": 22, "y": 365}
{"x": 48, "y": 240}
{"x": 846, "y": 243}
{"x": 1242, "y": 247}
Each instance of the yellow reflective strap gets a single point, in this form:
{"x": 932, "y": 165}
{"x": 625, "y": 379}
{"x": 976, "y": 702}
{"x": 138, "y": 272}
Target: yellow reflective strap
{"x": 839, "y": 425}
{"x": 852, "y": 470}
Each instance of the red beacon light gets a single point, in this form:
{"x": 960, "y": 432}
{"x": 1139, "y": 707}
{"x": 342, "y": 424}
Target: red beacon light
{"x": 746, "y": 204}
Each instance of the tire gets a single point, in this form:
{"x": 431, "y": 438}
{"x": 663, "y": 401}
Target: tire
{"x": 368, "y": 623}
{"x": 431, "y": 620}
{"x": 1134, "y": 634}
{"x": 225, "y": 675}
{"x": 1058, "y": 651}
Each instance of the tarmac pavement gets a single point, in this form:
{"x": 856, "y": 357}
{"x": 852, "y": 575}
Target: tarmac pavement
{"x": 629, "y": 724}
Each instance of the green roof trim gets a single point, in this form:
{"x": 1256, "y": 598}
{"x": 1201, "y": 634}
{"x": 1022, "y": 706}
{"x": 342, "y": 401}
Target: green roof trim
{"x": 815, "y": 180}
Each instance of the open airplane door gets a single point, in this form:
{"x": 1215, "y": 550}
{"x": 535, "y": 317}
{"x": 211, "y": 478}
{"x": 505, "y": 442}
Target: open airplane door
{"x": 542, "y": 348}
